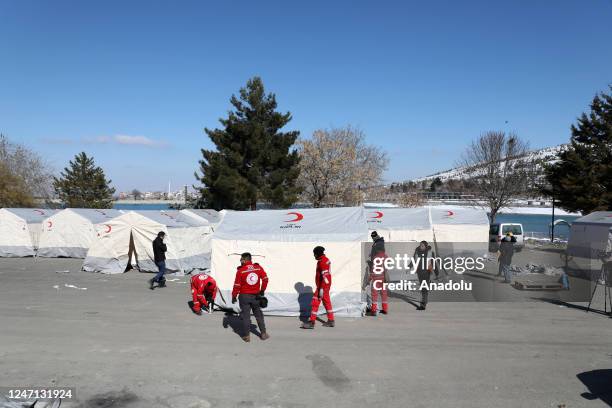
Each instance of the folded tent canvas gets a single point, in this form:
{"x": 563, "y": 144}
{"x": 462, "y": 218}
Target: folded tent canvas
{"x": 127, "y": 240}
{"x": 282, "y": 242}
{"x": 70, "y": 232}
{"x": 20, "y": 230}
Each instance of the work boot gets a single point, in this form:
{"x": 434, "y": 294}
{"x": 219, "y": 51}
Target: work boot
{"x": 308, "y": 325}
{"x": 162, "y": 284}
{"x": 265, "y": 336}
{"x": 246, "y": 339}
{"x": 371, "y": 313}
{"x": 421, "y": 307}
{"x": 384, "y": 312}
{"x": 151, "y": 284}
{"x": 330, "y": 323}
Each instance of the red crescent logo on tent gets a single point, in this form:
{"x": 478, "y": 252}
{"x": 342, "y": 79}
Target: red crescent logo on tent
{"x": 108, "y": 228}
{"x": 298, "y": 217}
{"x": 378, "y": 214}
{"x": 49, "y": 224}
{"x": 450, "y": 214}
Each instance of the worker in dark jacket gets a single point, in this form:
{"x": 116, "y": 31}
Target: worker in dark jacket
{"x": 506, "y": 251}
{"x": 424, "y": 268}
{"x": 378, "y": 246}
{"x": 159, "y": 256}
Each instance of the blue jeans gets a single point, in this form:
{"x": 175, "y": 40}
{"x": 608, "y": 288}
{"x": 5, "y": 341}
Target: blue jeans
{"x": 505, "y": 269}
{"x": 161, "y": 265}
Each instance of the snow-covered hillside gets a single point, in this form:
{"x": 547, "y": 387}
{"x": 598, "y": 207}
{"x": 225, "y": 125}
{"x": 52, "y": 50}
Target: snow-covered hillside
{"x": 540, "y": 157}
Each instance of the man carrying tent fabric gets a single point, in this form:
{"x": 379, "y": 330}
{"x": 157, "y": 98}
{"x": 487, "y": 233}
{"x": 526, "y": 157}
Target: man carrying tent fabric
{"x": 159, "y": 256}
{"x": 323, "y": 284}
{"x": 203, "y": 291}
{"x": 250, "y": 284}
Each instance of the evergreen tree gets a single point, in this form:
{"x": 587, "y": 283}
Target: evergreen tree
{"x": 253, "y": 160}
{"x": 581, "y": 180}
{"x": 83, "y": 184}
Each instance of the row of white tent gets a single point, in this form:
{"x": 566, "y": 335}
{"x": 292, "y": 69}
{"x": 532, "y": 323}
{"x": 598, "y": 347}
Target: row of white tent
{"x": 281, "y": 240}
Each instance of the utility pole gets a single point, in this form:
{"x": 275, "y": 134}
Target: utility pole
{"x": 552, "y": 222}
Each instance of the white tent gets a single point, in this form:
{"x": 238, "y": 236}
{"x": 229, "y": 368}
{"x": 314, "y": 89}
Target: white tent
{"x": 127, "y": 239}
{"x": 213, "y": 217}
{"x": 70, "y": 232}
{"x": 401, "y": 224}
{"x": 459, "y": 224}
{"x": 590, "y": 235}
{"x": 460, "y": 231}
{"x": 20, "y": 230}
{"x": 282, "y": 242}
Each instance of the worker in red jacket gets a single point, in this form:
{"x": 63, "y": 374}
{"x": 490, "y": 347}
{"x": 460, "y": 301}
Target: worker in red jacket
{"x": 250, "y": 284}
{"x": 203, "y": 291}
{"x": 323, "y": 284}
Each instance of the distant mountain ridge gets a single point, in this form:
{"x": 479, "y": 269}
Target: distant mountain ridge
{"x": 541, "y": 157}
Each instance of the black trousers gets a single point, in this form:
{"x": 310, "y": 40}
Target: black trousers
{"x": 423, "y": 276}
{"x": 248, "y": 302}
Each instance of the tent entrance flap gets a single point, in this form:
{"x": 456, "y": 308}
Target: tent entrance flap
{"x": 132, "y": 253}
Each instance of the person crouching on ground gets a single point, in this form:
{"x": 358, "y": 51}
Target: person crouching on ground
{"x": 159, "y": 256}
{"x": 323, "y": 285}
{"x": 424, "y": 268}
{"x": 203, "y": 291}
{"x": 250, "y": 283}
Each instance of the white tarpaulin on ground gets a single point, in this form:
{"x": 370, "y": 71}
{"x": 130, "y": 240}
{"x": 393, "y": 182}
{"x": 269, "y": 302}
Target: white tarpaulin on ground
{"x": 20, "y": 230}
{"x": 282, "y": 242}
{"x": 129, "y": 239}
{"x": 401, "y": 224}
{"x": 70, "y": 232}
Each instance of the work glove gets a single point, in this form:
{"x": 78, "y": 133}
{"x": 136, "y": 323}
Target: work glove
{"x": 234, "y": 300}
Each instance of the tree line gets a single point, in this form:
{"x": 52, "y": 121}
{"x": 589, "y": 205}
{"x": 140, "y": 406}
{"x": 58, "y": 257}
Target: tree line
{"x": 255, "y": 161}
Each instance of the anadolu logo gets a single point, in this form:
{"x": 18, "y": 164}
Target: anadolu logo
{"x": 295, "y": 217}
{"x": 376, "y": 217}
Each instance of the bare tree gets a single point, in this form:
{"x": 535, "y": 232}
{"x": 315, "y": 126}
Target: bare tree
{"x": 496, "y": 163}
{"x": 28, "y": 166}
{"x": 336, "y": 164}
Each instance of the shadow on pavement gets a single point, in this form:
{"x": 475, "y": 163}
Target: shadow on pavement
{"x": 599, "y": 384}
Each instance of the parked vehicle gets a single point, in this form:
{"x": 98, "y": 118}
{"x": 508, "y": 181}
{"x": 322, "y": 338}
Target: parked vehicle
{"x": 498, "y": 231}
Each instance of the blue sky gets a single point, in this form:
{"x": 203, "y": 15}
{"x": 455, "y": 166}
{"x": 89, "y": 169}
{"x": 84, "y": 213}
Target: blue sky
{"x": 134, "y": 83}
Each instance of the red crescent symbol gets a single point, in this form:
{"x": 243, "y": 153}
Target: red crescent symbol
{"x": 108, "y": 228}
{"x": 49, "y": 224}
{"x": 298, "y": 217}
{"x": 450, "y": 213}
{"x": 379, "y": 214}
